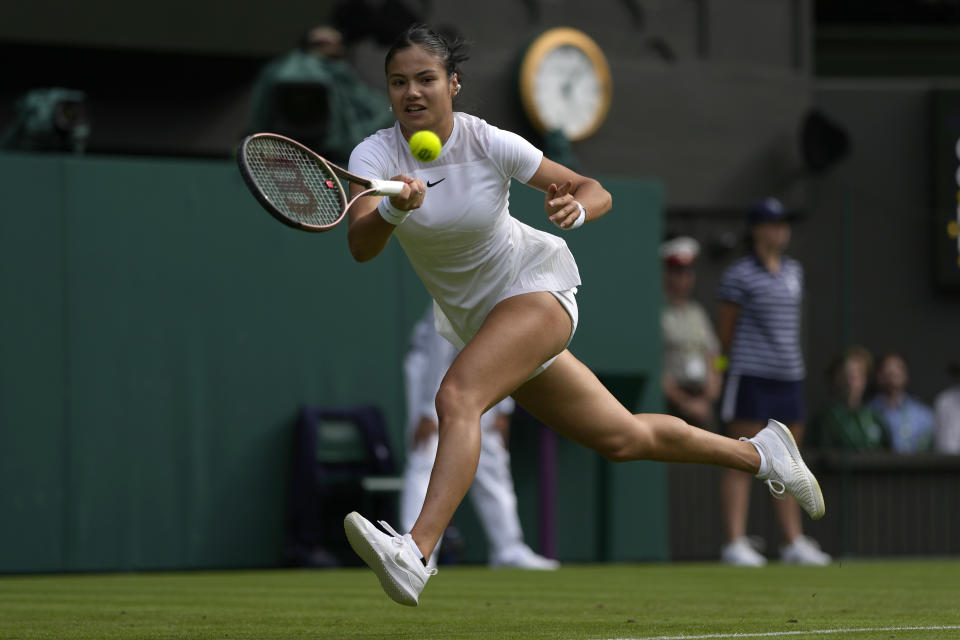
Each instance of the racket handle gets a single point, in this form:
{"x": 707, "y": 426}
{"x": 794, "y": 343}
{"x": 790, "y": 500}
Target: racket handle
{"x": 387, "y": 187}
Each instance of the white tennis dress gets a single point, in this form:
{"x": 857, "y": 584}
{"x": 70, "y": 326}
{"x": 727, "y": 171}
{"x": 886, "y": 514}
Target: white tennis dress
{"x": 467, "y": 249}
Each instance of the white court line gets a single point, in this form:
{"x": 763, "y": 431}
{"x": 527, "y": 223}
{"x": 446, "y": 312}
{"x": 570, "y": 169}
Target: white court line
{"x": 777, "y": 634}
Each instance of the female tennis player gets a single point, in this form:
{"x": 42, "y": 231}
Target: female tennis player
{"x": 504, "y": 293}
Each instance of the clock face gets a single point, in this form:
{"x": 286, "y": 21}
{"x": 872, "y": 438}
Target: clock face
{"x": 565, "y": 83}
{"x": 567, "y": 91}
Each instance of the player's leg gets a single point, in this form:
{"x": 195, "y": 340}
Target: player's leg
{"x": 569, "y": 398}
{"x": 518, "y": 335}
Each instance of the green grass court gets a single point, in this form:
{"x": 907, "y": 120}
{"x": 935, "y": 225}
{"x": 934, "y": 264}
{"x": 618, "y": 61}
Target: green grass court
{"x": 901, "y": 599}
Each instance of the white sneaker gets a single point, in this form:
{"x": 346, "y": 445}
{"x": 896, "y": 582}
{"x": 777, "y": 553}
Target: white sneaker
{"x": 521, "y": 556}
{"x": 402, "y": 574}
{"x": 804, "y": 550}
{"x": 787, "y": 473}
{"x": 741, "y": 554}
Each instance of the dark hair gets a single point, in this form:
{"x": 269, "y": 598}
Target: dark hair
{"x": 450, "y": 50}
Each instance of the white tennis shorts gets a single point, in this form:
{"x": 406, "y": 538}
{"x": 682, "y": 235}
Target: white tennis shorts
{"x": 569, "y": 302}
{"x": 566, "y": 298}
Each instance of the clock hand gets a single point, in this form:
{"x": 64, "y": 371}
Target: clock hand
{"x": 572, "y": 80}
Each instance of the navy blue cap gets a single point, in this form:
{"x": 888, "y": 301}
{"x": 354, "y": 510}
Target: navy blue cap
{"x": 768, "y": 210}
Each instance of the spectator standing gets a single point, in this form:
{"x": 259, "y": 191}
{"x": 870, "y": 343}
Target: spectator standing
{"x": 758, "y": 323}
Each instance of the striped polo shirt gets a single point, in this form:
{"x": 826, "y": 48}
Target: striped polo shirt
{"x": 766, "y": 341}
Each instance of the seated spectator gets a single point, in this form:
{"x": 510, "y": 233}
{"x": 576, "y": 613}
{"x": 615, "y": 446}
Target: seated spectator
{"x": 946, "y": 409}
{"x": 909, "y": 421}
{"x": 846, "y": 423}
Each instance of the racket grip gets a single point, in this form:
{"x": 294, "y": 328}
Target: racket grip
{"x": 387, "y": 187}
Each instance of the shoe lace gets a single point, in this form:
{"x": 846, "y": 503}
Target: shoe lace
{"x": 399, "y": 541}
{"x": 777, "y": 488}
{"x": 397, "y": 538}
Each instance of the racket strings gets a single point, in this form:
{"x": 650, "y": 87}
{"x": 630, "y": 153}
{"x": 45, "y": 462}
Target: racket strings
{"x": 301, "y": 188}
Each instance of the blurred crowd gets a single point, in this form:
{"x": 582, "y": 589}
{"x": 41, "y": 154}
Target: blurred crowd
{"x": 747, "y": 365}
{"x": 870, "y": 405}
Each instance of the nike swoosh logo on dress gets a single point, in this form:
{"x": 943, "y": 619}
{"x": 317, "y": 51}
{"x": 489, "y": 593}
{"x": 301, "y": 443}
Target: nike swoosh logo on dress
{"x": 433, "y": 184}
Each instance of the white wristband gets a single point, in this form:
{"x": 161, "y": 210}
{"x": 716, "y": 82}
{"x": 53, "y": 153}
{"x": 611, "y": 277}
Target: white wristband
{"x": 390, "y": 213}
{"x": 580, "y": 219}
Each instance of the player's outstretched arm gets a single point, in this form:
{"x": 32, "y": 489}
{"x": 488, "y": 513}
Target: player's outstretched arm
{"x": 566, "y": 190}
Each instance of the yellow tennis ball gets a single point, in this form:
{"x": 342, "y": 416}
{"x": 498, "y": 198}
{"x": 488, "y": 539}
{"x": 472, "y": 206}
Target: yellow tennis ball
{"x": 425, "y": 146}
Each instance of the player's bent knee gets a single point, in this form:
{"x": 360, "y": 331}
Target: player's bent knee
{"x": 452, "y": 402}
{"x": 636, "y": 441}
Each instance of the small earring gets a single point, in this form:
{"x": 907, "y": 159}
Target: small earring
{"x": 458, "y": 87}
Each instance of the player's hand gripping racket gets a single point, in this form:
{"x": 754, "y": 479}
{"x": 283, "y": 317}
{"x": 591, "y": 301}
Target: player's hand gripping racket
{"x": 297, "y": 186}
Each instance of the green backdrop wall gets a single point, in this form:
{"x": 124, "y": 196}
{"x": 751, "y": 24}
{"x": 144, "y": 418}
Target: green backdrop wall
{"x": 160, "y": 332}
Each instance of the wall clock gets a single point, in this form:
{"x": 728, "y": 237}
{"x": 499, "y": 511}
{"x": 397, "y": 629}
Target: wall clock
{"x": 565, "y": 83}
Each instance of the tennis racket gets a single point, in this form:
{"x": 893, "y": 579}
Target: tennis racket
{"x": 298, "y": 187}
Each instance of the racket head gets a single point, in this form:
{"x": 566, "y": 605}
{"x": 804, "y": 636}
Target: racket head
{"x": 294, "y": 184}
